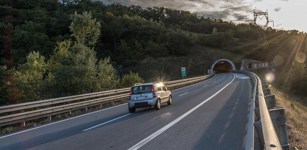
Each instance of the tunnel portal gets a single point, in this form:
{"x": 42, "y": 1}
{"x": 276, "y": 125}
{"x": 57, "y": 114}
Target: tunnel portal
{"x": 222, "y": 66}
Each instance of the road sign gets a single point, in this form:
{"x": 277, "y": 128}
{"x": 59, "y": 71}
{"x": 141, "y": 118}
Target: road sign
{"x": 183, "y": 72}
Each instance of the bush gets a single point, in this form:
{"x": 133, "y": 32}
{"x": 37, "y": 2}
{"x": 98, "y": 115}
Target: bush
{"x": 130, "y": 79}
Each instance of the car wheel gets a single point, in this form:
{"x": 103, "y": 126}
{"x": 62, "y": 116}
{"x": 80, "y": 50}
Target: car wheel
{"x": 132, "y": 110}
{"x": 170, "y": 100}
{"x": 158, "y": 105}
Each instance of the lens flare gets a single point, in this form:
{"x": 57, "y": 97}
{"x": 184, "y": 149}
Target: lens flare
{"x": 300, "y": 57}
{"x": 278, "y": 60}
{"x": 270, "y": 77}
{"x": 160, "y": 84}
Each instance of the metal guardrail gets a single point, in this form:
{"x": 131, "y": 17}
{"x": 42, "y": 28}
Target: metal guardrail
{"x": 269, "y": 129}
{"x": 53, "y": 101}
{"x": 271, "y": 141}
{"x": 47, "y": 108}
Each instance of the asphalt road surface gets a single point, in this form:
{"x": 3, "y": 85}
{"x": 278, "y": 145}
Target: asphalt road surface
{"x": 212, "y": 114}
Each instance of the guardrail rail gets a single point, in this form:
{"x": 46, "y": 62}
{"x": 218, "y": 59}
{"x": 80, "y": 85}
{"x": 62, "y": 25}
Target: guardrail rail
{"x": 269, "y": 130}
{"x": 20, "y": 113}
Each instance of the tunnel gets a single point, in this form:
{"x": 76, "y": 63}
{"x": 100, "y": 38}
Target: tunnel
{"x": 222, "y": 66}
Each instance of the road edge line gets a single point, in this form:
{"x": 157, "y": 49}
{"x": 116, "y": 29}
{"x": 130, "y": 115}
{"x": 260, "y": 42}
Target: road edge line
{"x": 155, "y": 134}
{"x": 60, "y": 121}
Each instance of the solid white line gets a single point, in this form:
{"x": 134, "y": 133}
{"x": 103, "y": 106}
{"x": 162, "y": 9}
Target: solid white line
{"x": 79, "y": 116}
{"x": 194, "y": 84}
{"x": 184, "y": 93}
{"x": 250, "y": 129}
{"x": 106, "y": 122}
{"x": 152, "y": 136}
{"x": 61, "y": 121}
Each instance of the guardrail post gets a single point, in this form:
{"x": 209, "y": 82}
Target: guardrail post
{"x": 69, "y": 112}
{"x": 256, "y": 101}
{"x": 270, "y": 101}
{"x": 257, "y": 114}
{"x": 267, "y": 92}
{"x": 263, "y": 81}
{"x": 45, "y": 111}
{"x": 85, "y": 109}
{"x": 23, "y": 124}
{"x": 265, "y": 86}
{"x": 258, "y": 137}
{"x": 49, "y": 117}
{"x": 279, "y": 121}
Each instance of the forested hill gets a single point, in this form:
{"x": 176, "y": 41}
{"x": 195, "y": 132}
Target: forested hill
{"x": 50, "y": 56}
{"x": 128, "y": 33}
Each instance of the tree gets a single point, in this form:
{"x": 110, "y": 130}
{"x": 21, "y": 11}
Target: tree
{"x": 29, "y": 37}
{"x": 3, "y": 89}
{"x": 130, "y": 79}
{"x": 73, "y": 69}
{"x": 29, "y": 77}
{"x": 85, "y": 29}
{"x": 106, "y": 75}
{"x": 214, "y": 31}
{"x": 298, "y": 78}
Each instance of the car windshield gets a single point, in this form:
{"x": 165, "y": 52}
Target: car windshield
{"x": 141, "y": 89}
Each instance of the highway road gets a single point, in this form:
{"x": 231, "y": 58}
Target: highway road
{"x": 212, "y": 114}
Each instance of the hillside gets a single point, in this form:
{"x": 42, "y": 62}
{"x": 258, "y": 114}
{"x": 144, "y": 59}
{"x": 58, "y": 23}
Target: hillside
{"x": 296, "y": 116}
{"x": 197, "y": 62}
{"x": 45, "y": 50}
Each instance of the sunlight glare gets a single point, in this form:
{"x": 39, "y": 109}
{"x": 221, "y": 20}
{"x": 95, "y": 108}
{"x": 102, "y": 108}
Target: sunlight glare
{"x": 160, "y": 84}
{"x": 270, "y": 77}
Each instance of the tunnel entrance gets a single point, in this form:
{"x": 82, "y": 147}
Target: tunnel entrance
{"x": 222, "y": 66}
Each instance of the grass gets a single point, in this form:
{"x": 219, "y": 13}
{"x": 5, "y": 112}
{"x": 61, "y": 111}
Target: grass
{"x": 296, "y": 115}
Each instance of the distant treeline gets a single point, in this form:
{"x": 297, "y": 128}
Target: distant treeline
{"x": 128, "y": 33}
{"x": 41, "y": 37}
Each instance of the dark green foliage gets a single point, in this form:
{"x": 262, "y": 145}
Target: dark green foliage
{"x": 68, "y": 59}
{"x": 30, "y": 76}
{"x": 130, "y": 79}
{"x": 128, "y": 33}
{"x": 3, "y": 90}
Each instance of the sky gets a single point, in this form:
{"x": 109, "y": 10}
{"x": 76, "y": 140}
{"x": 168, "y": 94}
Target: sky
{"x": 286, "y": 14}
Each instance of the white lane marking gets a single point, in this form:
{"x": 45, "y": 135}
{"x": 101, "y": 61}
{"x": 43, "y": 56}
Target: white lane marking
{"x": 61, "y": 121}
{"x": 205, "y": 85}
{"x": 105, "y": 122}
{"x": 250, "y": 129}
{"x": 81, "y": 115}
{"x": 184, "y": 93}
{"x": 152, "y": 136}
{"x": 242, "y": 77}
{"x": 194, "y": 84}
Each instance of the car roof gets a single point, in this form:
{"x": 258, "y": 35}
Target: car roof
{"x": 144, "y": 84}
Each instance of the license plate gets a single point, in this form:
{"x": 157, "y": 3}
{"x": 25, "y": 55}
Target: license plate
{"x": 140, "y": 98}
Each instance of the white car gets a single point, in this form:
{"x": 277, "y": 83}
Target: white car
{"x": 147, "y": 95}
